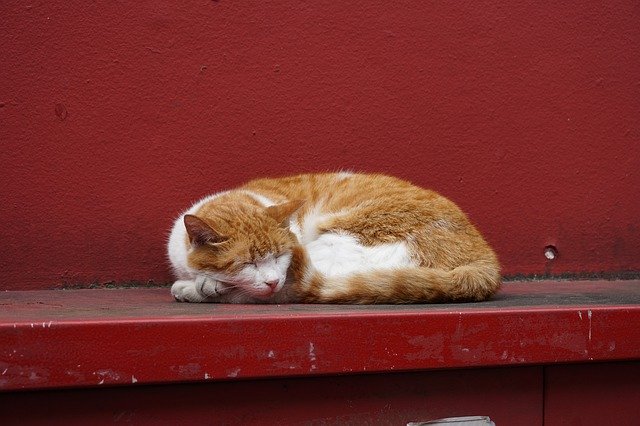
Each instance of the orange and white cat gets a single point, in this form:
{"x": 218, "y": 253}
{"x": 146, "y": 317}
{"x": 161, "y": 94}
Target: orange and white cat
{"x": 329, "y": 238}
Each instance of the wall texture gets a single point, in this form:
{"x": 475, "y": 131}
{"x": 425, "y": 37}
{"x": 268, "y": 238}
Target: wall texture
{"x": 115, "y": 116}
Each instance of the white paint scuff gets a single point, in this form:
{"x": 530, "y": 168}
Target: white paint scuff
{"x": 312, "y": 355}
{"x": 233, "y": 373}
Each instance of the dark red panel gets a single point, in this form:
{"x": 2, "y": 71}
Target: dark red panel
{"x": 114, "y": 118}
{"x": 508, "y": 396}
{"x": 607, "y": 394}
{"x": 133, "y": 337}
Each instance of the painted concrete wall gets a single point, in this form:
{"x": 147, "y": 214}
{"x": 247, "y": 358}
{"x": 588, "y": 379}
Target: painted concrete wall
{"x": 115, "y": 116}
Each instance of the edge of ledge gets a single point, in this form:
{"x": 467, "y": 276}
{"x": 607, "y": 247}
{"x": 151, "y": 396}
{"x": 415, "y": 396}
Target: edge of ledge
{"x": 62, "y": 354}
{"x": 80, "y": 338}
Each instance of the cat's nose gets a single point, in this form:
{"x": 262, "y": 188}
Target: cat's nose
{"x": 271, "y": 284}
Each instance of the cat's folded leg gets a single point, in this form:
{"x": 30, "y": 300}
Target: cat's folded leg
{"x": 202, "y": 289}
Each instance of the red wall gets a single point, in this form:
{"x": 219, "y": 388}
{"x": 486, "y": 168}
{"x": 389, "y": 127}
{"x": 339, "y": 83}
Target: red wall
{"x": 114, "y": 117}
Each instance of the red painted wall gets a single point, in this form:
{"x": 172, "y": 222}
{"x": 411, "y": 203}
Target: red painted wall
{"x": 114, "y": 117}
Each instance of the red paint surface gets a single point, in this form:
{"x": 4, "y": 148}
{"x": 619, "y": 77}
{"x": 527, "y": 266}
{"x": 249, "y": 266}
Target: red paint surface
{"x": 114, "y": 118}
{"x": 592, "y": 394}
{"x": 509, "y": 396}
{"x": 132, "y": 337}
{"x": 605, "y": 394}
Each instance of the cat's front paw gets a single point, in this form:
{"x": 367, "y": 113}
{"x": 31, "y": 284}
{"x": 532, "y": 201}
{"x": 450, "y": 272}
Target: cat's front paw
{"x": 187, "y": 291}
{"x": 208, "y": 287}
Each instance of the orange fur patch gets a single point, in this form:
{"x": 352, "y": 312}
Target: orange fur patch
{"x": 454, "y": 262}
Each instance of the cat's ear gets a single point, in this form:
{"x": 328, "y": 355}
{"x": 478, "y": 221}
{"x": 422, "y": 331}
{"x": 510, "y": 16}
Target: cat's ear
{"x": 200, "y": 233}
{"x": 281, "y": 213}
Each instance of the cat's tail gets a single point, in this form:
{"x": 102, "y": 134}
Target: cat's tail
{"x": 475, "y": 281}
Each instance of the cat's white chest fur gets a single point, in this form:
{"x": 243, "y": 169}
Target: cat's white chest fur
{"x": 336, "y": 254}
{"x": 339, "y": 254}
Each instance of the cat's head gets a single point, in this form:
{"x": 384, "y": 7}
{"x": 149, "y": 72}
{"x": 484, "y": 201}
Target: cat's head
{"x": 244, "y": 247}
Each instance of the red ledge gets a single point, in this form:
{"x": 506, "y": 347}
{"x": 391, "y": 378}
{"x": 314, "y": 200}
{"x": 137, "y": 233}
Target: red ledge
{"x": 71, "y": 338}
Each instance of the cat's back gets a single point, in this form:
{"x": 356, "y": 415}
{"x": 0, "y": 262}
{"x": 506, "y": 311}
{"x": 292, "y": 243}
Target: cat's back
{"x": 378, "y": 209}
{"x": 338, "y": 190}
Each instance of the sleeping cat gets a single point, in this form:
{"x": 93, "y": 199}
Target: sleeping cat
{"x": 329, "y": 238}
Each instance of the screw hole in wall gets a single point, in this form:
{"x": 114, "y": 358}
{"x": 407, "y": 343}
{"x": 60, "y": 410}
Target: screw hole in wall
{"x": 550, "y": 252}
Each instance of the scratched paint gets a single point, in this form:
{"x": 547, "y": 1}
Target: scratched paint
{"x": 188, "y": 370}
{"x": 429, "y": 347}
{"x": 234, "y": 372}
{"x": 91, "y": 350}
{"x": 107, "y": 376}
{"x": 312, "y": 356}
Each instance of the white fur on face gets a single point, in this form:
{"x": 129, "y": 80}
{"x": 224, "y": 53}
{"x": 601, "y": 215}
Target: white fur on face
{"x": 253, "y": 277}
